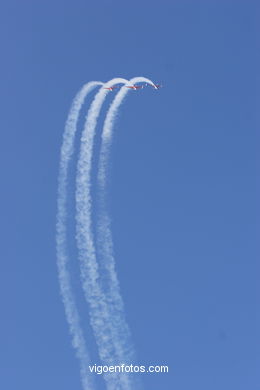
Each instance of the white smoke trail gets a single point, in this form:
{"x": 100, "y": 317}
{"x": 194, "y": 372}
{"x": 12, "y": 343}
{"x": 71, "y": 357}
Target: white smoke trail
{"x": 71, "y": 312}
{"x": 97, "y": 300}
{"x": 108, "y": 130}
{"x": 120, "y": 328}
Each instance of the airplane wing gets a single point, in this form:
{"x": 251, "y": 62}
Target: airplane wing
{"x": 111, "y": 88}
{"x": 134, "y": 86}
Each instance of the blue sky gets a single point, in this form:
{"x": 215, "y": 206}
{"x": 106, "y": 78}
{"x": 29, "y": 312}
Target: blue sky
{"x": 184, "y": 185}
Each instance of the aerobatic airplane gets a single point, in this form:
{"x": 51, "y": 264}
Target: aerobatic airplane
{"x": 111, "y": 88}
{"x": 135, "y": 87}
{"x": 155, "y": 86}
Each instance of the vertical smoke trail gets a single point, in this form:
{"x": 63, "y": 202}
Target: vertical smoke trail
{"x": 97, "y": 300}
{"x": 61, "y": 233}
{"x": 105, "y": 243}
{"x": 107, "y": 133}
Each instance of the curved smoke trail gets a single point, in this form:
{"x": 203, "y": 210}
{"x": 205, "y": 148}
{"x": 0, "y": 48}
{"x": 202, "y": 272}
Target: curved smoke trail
{"x": 104, "y": 239}
{"x": 107, "y": 133}
{"x": 97, "y": 300}
{"x": 71, "y": 312}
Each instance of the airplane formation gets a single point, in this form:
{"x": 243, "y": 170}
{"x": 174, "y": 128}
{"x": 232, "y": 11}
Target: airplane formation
{"x": 135, "y": 87}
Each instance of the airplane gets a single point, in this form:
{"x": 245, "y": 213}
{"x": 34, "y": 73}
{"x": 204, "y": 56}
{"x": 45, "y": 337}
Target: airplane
{"x": 111, "y": 88}
{"x": 135, "y": 87}
{"x": 155, "y": 86}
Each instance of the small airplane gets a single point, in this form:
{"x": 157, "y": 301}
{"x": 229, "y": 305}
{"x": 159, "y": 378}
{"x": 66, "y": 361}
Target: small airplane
{"x": 111, "y": 88}
{"x": 135, "y": 87}
{"x": 155, "y": 86}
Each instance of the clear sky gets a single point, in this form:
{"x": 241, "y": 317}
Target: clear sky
{"x": 184, "y": 190}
